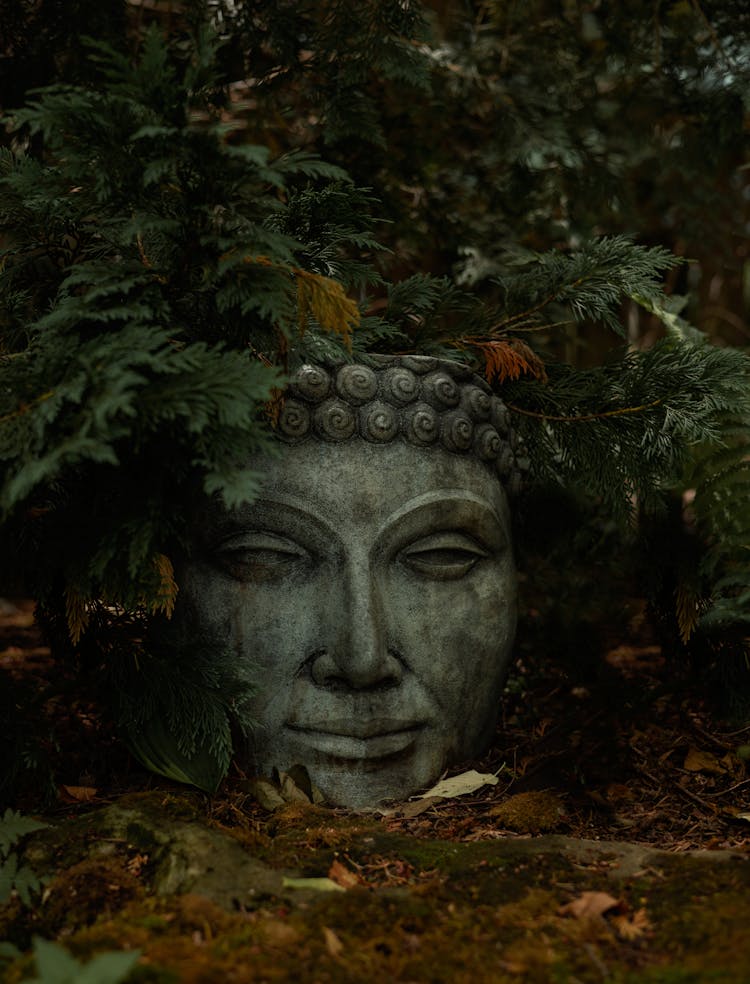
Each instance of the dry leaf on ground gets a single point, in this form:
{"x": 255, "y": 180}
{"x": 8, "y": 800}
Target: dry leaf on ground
{"x": 79, "y": 794}
{"x": 699, "y": 761}
{"x": 343, "y": 876}
{"x": 632, "y": 927}
{"x": 589, "y": 905}
{"x": 333, "y": 943}
{"x": 461, "y": 785}
{"x": 408, "y": 811}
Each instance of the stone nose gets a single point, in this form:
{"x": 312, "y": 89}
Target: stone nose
{"x": 358, "y": 656}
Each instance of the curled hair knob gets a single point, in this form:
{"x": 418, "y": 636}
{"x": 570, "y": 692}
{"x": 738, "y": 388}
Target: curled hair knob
{"x": 294, "y": 419}
{"x": 334, "y": 421}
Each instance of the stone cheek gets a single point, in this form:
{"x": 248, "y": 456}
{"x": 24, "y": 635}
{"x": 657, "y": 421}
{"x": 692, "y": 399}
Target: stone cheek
{"x": 371, "y": 593}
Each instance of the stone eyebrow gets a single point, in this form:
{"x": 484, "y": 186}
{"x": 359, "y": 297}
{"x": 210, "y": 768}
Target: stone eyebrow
{"x": 272, "y": 515}
{"x": 461, "y": 508}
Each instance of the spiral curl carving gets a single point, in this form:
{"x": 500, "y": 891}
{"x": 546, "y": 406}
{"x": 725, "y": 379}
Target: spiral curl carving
{"x": 294, "y": 420}
{"x": 500, "y": 417}
{"x": 419, "y": 399}
{"x": 378, "y": 422}
{"x": 457, "y": 431}
{"x": 400, "y": 385}
{"x": 335, "y": 421}
{"x": 487, "y": 442}
{"x": 422, "y": 425}
{"x": 356, "y": 384}
{"x": 312, "y": 383}
{"x": 439, "y": 390}
{"x": 477, "y": 402}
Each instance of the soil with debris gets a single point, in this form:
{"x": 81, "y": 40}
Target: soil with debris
{"x": 613, "y": 847}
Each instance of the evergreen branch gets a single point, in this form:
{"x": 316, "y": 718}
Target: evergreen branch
{"x": 585, "y": 418}
{"x": 26, "y": 407}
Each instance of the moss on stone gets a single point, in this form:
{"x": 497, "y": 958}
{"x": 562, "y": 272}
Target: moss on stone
{"x": 529, "y": 813}
{"x": 427, "y": 911}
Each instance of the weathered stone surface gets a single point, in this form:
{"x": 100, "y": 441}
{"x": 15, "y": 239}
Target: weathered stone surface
{"x": 370, "y": 589}
{"x": 180, "y": 855}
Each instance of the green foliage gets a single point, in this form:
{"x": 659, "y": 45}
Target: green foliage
{"x": 332, "y": 56}
{"x": 21, "y": 879}
{"x": 172, "y": 244}
{"x": 56, "y": 966}
{"x": 591, "y": 282}
{"x": 154, "y": 283}
{"x": 640, "y": 415}
{"x": 537, "y": 123}
{"x": 719, "y": 476}
{"x": 13, "y": 827}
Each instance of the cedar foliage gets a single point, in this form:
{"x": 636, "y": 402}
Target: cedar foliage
{"x": 162, "y": 269}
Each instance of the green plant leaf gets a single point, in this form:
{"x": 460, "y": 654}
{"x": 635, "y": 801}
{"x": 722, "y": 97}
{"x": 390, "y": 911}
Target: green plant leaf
{"x": 8, "y": 870}
{"x": 56, "y": 966}
{"x": 14, "y": 826}
{"x": 155, "y": 745}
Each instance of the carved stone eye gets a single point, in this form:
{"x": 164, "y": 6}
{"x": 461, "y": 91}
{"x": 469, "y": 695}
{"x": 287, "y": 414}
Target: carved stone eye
{"x": 443, "y": 556}
{"x": 258, "y": 557}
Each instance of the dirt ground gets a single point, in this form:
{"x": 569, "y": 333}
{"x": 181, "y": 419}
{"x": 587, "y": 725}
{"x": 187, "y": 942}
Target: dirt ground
{"x": 614, "y": 846}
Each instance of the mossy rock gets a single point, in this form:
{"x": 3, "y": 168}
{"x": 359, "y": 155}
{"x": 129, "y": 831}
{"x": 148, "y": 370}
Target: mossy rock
{"x": 529, "y": 813}
{"x": 202, "y": 904}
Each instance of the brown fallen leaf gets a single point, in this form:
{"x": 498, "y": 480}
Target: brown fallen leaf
{"x": 265, "y": 793}
{"x": 333, "y": 944}
{"x": 78, "y": 794}
{"x": 343, "y": 876}
{"x": 699, "y": 761}
{"x": 589, "y": 905}
{"x": 136, "y": 864}
{"x": 290, "y": 791}
{"x": 632, "y": 927}
{"x": 407, "y": 811}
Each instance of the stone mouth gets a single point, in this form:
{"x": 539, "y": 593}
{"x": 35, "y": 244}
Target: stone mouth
{"x": 374, "y": 739}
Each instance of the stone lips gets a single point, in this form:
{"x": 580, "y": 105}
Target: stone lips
{"x": 422, "y": 400}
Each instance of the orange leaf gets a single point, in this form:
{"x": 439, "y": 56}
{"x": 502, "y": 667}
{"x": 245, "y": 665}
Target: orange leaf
{"x": 167, "y": 589}
{"x": 700, "y": 761}
{"x": 343, "y": 876}
{"x": 589, "y": 905}
{"x": 510, "y": 358}
{"x": 632, "y": 927}
{"x": 78, "y": 794}
{"x": 325, "y": 299}
{"x": 77, "y": 614}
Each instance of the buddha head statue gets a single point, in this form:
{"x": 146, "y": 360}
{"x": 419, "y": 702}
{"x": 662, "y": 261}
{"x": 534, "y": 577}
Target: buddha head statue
{"x": 369, "y": 591}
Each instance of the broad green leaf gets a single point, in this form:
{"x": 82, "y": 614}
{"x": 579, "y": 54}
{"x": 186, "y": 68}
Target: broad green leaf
{"x": 14, "y": 826}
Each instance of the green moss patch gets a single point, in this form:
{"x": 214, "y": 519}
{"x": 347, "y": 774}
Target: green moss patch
{"x": 401, "y": 909}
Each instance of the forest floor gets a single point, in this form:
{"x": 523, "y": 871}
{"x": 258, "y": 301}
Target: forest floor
{"x": 613, "y": 847}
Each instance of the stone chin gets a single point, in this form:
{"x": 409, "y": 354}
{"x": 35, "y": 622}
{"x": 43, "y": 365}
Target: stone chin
{"x": 369, "y": 593}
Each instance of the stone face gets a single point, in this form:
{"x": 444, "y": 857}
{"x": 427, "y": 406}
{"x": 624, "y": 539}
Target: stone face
{"x": 370, "y": 593}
